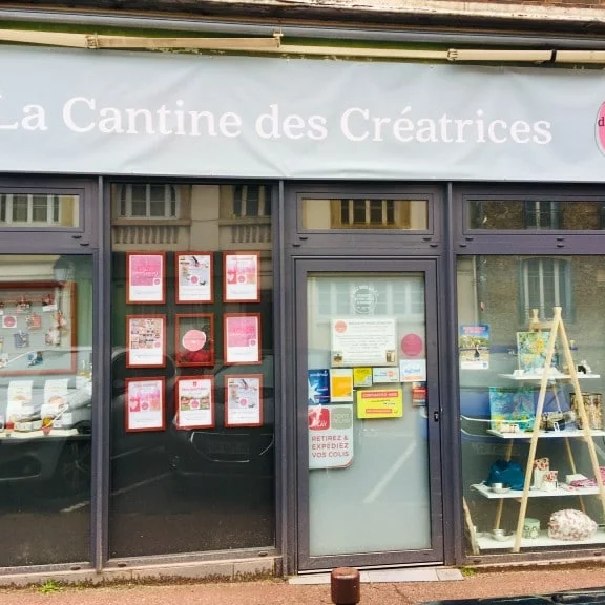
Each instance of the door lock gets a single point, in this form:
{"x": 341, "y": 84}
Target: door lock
{"x": 436, "y": 416}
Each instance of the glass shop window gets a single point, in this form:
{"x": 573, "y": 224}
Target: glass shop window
{"x": 39, "y": 210}
{"x": 506, "y": 315}
{"x": 545, "y": 284}
{"x": 148, "y": 201}
{"x": 251, "y": 200}
{"x": 320, "y": 214}
{"x": 535, "y": 214}
{"x": 192, "y": 417}
{"x": 46, "y": 374}
{"x": 542, "y": 215}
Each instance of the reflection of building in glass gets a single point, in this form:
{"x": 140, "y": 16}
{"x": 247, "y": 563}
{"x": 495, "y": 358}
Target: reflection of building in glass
{"x": 193, "y": 217}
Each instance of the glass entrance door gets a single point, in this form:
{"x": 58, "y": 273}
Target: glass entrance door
{"x": 369, "y": 483}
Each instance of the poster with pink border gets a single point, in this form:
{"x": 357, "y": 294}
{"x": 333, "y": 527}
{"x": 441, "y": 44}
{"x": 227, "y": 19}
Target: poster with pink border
{"x": 244, "y": 400}
{"x": 241, "y": 277}
{"x": 146, "y": 337}
{"x": 144, "y": 404}
{"x": 194, "y": 403}
{"x": 242, "y": 338}
{"x": 145, "y": 278}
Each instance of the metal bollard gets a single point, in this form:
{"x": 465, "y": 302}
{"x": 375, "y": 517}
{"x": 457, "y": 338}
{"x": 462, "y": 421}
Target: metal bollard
{"x": 344, "y": 582}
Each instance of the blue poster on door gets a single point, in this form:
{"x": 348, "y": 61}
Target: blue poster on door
{"x": 319, "y": 386}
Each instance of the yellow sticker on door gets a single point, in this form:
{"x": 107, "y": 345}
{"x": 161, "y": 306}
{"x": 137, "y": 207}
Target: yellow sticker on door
{"x": 341, "y": 385}
{"x": 384, "y": 403}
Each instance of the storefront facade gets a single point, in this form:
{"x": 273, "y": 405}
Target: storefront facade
{"x": 269, "y": 331}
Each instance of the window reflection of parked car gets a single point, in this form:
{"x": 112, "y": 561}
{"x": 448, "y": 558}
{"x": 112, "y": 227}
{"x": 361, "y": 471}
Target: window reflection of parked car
{"x": 221, "y": 451}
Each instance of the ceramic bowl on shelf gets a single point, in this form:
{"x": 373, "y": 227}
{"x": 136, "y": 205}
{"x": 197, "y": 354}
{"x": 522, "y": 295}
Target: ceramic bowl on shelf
{"x": 499, "y": 534}
{"x": 500, "y": 489}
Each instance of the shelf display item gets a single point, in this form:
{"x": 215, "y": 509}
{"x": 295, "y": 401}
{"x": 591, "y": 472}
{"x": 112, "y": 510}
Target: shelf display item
{"x": 593, "y": 407}
{"x": 556, "y": 527}
{"x": 531, "y": 528}
{"x": 538, "y": 479}
{"x": 550, "y": 481}
{"x": 531, "y": 351}
{"x": 541, "y": 467}
{"x": 511, "y": 409}
{"x": 571, "y": 524}
{"x": 553, "y": 421}
{"x": 506, "y": 473}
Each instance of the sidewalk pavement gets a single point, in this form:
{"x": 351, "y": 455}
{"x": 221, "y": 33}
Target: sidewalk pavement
{"x": 475, "y": 583}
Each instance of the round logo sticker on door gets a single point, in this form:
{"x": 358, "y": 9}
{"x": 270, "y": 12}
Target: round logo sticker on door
{"x": 412, "y": 345}
{"x": 364, "y": 300}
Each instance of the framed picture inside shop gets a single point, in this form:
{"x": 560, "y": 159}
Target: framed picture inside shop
{"x": 38, "y": 328}
{"x": 193, "y": 278}
{"x": 145, "y": 405}
{"x": 194, "y": 340}
{"x": 241, "y": 277}
{"x": 244, "y": 400}
{"x": 242, "y": 338}
{"x": 146, "y": 336}
{"x": 145, "y": 277}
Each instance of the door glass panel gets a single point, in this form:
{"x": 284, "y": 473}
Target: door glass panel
{"x": 45, "y": 408}
{"x": 368, "y": 448}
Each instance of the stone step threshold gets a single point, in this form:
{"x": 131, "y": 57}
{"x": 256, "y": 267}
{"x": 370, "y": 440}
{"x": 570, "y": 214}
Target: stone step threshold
{"x": 375, "y": 576}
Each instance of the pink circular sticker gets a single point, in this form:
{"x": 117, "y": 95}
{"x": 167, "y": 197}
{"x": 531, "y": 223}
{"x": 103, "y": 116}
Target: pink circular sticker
{"x": 194, "y": 340}
{"x": 412, "y": 345}
{"x": 340, "y": 326}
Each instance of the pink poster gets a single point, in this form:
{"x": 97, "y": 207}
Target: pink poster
{"x": 144, "y": 404}
{"x": 242, "y": 338}
{"x": 241, "y": 277}
{"x": 145, "y": 274}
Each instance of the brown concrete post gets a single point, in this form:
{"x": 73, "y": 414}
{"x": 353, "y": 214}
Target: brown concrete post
{"x": 344, "y": 582}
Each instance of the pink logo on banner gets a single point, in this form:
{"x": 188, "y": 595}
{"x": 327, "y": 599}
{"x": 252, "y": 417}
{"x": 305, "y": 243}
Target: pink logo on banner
{"x": 600, "y": 128}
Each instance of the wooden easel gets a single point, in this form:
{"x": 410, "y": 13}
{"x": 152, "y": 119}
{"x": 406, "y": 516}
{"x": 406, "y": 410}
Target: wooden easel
{"x": 557, "y": 330}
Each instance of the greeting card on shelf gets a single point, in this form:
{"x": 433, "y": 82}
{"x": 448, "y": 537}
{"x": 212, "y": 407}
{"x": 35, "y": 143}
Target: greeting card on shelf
{"x": 512, "y": 410}
{"x": 531, "y": 351}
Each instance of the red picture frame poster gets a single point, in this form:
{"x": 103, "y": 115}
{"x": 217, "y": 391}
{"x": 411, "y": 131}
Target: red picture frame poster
{"x": 194, "y": 340}
{"x": 145, "y": 278}
{"x": 241, "y": 277}
{"x": 244, "y": 400}
{"x": 194, "y": 403}
{"x": 242, "y": 338}
{"x": 193, "y": 278}
{"x": 146, "y": 341}
{"x": 144, "y": 408}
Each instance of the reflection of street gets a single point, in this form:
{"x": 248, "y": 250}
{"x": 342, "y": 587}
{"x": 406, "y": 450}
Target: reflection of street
{"x": 152, "y": 512}
{"x": 155, "y": 512}
{"x": 171, "y": 518}
{"x": 32, "y": 526}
